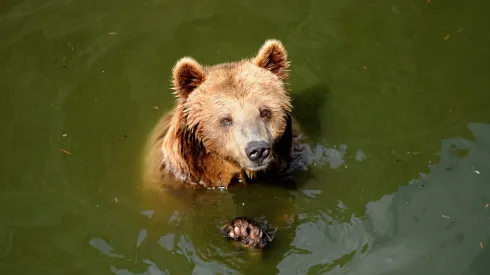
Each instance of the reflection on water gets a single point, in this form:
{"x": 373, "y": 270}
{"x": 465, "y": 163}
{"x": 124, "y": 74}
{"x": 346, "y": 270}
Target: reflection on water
{"x": 141, "y": 237}
{"x": 152, "y": 269}
{"x": 433, "y": 225}
{"x": 104, "y": 247}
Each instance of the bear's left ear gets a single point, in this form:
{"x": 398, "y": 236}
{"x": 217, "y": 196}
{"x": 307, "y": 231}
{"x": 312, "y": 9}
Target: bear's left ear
{"x": 272, "y": 56}
{"x": 187, "y": 76}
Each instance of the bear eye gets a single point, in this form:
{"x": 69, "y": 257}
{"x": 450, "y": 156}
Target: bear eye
{"x": 265, "y": 113}
{"x": 226, "y": 121}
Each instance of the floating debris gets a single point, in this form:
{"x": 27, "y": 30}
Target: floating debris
{"x": 64, "y": 151}
{"x": 481, "y": 245}
{"x": 446, "y": 217}
{"x": 112, "y": 33}
{"x": 447, "y": 37}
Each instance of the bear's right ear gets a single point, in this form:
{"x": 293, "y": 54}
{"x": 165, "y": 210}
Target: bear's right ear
{"x": 187, "y": 75}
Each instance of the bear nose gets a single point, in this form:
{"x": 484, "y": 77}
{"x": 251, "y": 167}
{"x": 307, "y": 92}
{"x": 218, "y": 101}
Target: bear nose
{"x": 257, "y": 151}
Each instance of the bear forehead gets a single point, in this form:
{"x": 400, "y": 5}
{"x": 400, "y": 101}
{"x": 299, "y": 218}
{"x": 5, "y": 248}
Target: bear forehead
{"x": 239, "y": 79}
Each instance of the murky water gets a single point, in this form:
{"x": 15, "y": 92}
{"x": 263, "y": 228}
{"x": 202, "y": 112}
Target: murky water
{"x": 394, "y": 96}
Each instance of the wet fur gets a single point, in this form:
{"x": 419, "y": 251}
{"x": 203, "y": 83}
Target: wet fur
{"x": 187, "y": 160}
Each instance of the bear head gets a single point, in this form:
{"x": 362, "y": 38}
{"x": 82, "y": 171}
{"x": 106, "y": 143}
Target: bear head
{"x": 238, "y": 111}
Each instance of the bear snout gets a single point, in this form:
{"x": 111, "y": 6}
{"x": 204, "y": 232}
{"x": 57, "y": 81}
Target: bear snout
{"x": 257, "y": 151}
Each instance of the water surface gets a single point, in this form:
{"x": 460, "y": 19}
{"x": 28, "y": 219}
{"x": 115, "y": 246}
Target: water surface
{"x": 393, "y": 96}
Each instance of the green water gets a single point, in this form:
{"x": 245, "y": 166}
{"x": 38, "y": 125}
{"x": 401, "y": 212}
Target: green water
{"x": 394, "y": 96}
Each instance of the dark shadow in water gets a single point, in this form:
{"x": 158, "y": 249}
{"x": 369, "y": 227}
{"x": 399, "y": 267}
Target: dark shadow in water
{"x": 307, "y": 108}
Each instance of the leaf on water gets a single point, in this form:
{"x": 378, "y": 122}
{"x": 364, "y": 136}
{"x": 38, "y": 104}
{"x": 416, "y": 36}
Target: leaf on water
{"x": 447, "y": 37}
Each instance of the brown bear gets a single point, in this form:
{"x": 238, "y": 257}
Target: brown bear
{"x": 231, "y": 121}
